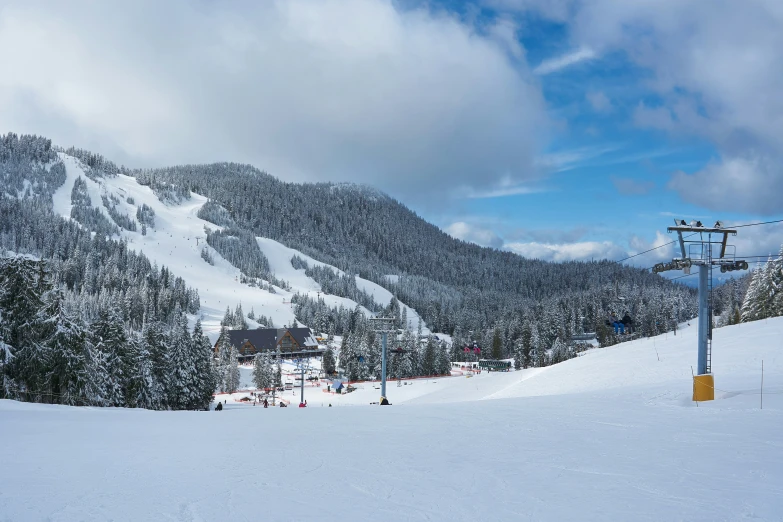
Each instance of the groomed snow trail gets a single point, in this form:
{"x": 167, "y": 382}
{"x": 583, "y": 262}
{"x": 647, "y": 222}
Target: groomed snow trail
{"x": 611, "y": 435}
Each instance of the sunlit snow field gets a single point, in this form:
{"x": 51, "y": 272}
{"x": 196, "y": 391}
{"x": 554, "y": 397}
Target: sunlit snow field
{"x": 611, "y": 435}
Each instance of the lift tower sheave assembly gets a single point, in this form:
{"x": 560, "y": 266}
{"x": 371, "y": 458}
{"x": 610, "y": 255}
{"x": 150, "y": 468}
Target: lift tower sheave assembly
{"x": 699, "y": 252}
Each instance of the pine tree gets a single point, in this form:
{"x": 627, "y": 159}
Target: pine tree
{"x": 518, "y": 354}
{"x": 443, "y": 361}
{"x": 156, "y": 343}
{"x": 147, "y": 391}
{"x": 224, "y": 356}
{"x": 205, "y": 377}
{"x": 428, "y": 363}
{"x": 755, "y": 303}
{"x": 239, "y": 318}
{"x": 110, "y": 341}
{"x": 182, "y": 367}
{"x": 232, "y": 371}
{"x": 70, "y": 364}
{"x": 497, "y": 345}
{"x": 328, "y": 362}
{"x": 24, "y": 357}
{"x": 262, "y": 371}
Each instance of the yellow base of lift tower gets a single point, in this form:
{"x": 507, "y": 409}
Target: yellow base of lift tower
{"x": 703, "y": 388}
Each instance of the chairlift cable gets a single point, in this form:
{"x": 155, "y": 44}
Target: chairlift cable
{"x": 654, "y": 248}
{"x": 690, "y": 235}
{"x": 757, "y": 224}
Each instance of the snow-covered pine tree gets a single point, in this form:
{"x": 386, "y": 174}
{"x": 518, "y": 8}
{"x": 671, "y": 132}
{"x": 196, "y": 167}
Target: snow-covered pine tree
{"x": 156, "y": 344}
{"x": 70, "y": 360}
{"x": 560, "y": 352}
{"x": 443, "y": 360}
{"x": 228, "y": 319}
{"x": 757, "y": 299}
{"x": 182, "y": 367}
{"x": 429, "y": 357}
{"x": 205, "y": 376}
{"x": 239, "y": 318}
{"x": 23, "y": 356}
{"x": 262, "y": 371}
{"x": 327, "y": 362}
{"x": 537, "y": 347}
{"x": 111, "y": 344}
{"x": 224, "y": 356}
{"x": 497, "y": 345}
{"x": 232, "y": 371}
{"x": 147, "y": 391}
{"x": 518, "y": 354}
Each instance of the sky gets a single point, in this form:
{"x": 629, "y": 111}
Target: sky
{"x": 557, "y": 129}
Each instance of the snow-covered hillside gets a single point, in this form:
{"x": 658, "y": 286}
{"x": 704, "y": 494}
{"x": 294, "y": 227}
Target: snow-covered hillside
{"x": 176, "y": 242}
{"x": 610, "y": 435}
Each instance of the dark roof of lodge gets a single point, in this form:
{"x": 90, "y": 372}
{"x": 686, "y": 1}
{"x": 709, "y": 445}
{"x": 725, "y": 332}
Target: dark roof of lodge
{"x": 262, "y": 339}
{"x": 266, "y": 338}
{"x": 303, "y": 336}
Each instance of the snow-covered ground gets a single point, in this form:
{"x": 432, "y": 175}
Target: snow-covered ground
{"x": 176, "y": 242}
{"x": 610, "y": 435}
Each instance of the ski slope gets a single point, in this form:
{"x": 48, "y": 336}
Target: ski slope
{"x": 176, "y": 242}
{"x": 610, "y": 435}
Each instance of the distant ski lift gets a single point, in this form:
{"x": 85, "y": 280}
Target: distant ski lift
{"x": 475, "y": 348}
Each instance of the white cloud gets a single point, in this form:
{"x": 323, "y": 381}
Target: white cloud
{"x": 660, "y": 249}
{"x": 599, "y": 101}
{"x": 566, "y": 60}
{"x": 474, "y": 234}
{"x": 338, "y": 90}
{"x": 568, "y": 251}
{"x": 723, "y": 85}
{"x": 563, "y": 160}
{"x": 749, "y": 183}
{"x": 501, "y": 192}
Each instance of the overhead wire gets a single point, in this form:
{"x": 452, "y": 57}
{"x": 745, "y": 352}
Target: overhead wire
{"x": 756, "y": 224}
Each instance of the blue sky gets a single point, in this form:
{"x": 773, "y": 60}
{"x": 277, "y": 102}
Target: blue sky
{"x": 606, "y": 178}
{"x": 558, "y": 129}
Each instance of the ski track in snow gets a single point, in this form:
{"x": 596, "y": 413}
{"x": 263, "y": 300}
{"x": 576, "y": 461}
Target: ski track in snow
{"x": 610, "y": 435}
{"x": 280, "y": 264}
{"x": 176, "y": 242}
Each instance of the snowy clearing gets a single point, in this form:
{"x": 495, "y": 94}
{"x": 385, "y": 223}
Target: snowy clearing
{"x": 610, "y": 435}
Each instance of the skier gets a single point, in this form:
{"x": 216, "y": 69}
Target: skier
{"x": 266, "y": 403}
{"x": 219, "y": 407}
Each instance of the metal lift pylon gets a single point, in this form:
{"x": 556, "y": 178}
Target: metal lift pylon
{"x": 699, "y": 252}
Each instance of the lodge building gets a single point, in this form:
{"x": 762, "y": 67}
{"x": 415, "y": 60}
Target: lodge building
{"x": 290, "y": 342}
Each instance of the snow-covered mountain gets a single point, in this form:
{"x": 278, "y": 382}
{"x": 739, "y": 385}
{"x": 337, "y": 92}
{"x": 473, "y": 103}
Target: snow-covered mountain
{"x": 178, "y": 238}
{"x": 230, "y": 234}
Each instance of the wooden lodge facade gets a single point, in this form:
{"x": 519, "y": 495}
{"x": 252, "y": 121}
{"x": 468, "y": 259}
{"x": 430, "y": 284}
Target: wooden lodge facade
{"x": 290, "y": 342}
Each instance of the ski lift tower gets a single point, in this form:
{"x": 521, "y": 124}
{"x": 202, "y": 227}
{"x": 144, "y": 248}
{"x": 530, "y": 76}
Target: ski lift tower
{"x": 383, "y": 325}
{"x": 699, "y": 252}
{"x": 302, "y": 364}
